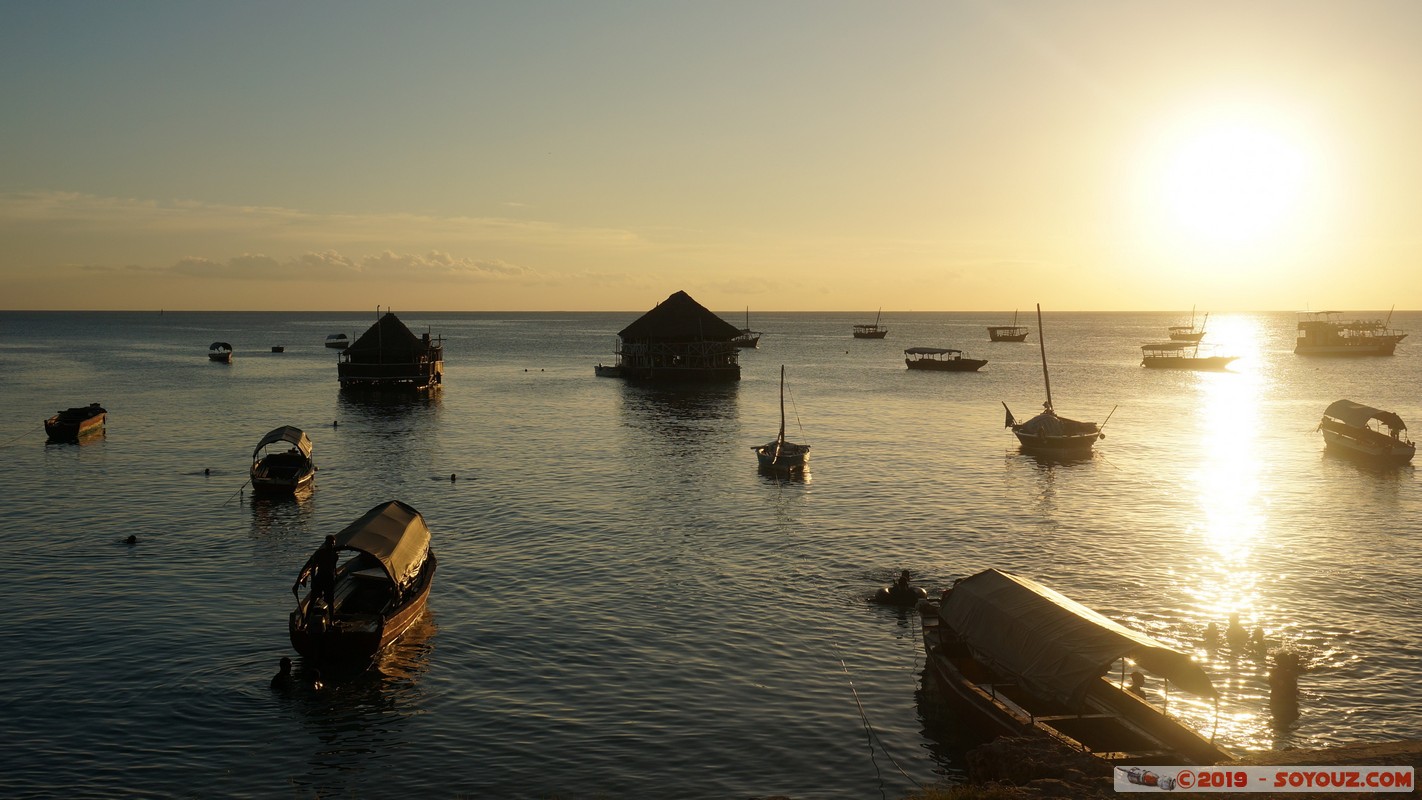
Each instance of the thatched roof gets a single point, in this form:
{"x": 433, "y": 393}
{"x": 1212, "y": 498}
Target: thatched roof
{"x": 387, "y": 340}
{"x": 680, "y": 319}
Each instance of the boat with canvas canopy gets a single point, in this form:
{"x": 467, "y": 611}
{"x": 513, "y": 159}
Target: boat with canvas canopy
{"x": 1325, "y": 333}
{"x": 1363, "y": 431}
{"x": 381, "y": 588}
{"x": 220, "y": 351}
{"x": 287, "y": 470}
{"x": 1026, "y": 660}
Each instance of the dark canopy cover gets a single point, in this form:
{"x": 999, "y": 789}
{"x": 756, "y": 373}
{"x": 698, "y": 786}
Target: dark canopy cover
{"x": 395, "y": 534}
{"x": 1052, "y": 644}
{"x": 387, "y": 341}
{"x": 1357, "y": 415}
{"x": 680, "y": 319}
{"x": 219, "y": 346}
{"x": 929, "y": 351}
{"x": 286, "y": 433}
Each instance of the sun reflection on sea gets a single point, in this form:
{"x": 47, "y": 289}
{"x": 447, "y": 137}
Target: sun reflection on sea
{"x": 1229, "y": 526}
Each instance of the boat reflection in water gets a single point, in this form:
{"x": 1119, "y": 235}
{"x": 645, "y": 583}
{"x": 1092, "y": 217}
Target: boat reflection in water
{"x": 282, "y": 514}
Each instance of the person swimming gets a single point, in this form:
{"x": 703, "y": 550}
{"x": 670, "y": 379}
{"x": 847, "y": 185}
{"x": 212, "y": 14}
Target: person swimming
{"x": 282, "y": 680}
{"x": 1236, "y": 634}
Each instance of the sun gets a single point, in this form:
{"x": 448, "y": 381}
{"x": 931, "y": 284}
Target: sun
{"x": 1236, "y": 182}
{"x": 1232, "y": 181}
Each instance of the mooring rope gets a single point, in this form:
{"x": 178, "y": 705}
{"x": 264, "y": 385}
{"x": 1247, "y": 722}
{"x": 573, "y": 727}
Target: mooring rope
{"x": 872, "y": 734}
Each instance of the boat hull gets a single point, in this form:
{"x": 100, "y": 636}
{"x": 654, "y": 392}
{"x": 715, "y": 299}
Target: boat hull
{"x": 1373, "y": 348}
{"x": 951, "y": 365}
{"x": 1369, "y": 449}
{"x": 283, "y": 485}
{"x": 69, "y": 426}
{"x": 1201, "y": 363}
{"x": 870, "y": 334}
{"x": 354, "y": 640}
{"x": 223, "y": 358}
{"x": 1069, "y": 445}
{"x": 1012, "y": 334}
{"x": 793, "y": 457}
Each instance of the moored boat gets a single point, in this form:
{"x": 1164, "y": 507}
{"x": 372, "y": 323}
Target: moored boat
{"x": 1025, "y": 660}
{"x": 747, "y": 337}
{"x": 780, "y": 455}
{"x": 871, "y": 331}
{"x": 1182, "y": 355}
{"x": 942, "y": 359}
{"x": 607, "y": 371}
{"x": 381, "y": 588}
{"x": 277, "y": 348}
{"x": 72, "y": 423}
{"x": 1188, "y": 333}
{"x": 1365, "y": 432}
{"x": 286, "y": 471}
{"x": 338, "y": 340}
{"x": 220, "y": 351}
{"x": 1008, "y": 333}
{"x": 1325, "y": 333}
{"x": 1048, "y": 433}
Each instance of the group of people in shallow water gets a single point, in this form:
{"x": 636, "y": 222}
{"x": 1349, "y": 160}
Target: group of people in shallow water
{"x": 1283, "y": 672}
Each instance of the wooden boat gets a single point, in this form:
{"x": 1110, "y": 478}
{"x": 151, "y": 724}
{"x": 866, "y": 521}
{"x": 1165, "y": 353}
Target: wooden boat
{"x": 780, "y": 455}
{"x": 220, "y": 351}
{"x": 285, "y": 471}
{"x": 1365, "y": 432}
{"x": 1008, "y": 333}
{"x": 941, "y": 359}
{"x": 607, "y": 371}
{"x": 1325, "y": 333}
{"x": 72, "y": 423}
{"x": 1181, "y": 355}
{"x": 747, "y": 337}
{"x": 1188, "y": 333}
{"x": 1025, "y": 660}
{"x": 338, "y": 341}
{"x": 871, "y": 331}
{"x": 381, "y": 588}
{"x": 1050, "y": 434}
{"x": 276, "y": 348}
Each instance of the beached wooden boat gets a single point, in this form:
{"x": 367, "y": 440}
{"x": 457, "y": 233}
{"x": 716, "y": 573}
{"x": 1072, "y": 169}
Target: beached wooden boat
{"x": 1182, "y": 355}
{"x": 381, "y": 588}
{"x": 1008, "y": 333}
{"x": 1048, "y": 433}
{"x": 72, "y": 423}
{"x": 871, "y": 331}
{"x": 780, "y": 455}
{"x": 1325, "y": 333}
{"x": 940, "y": 358}
{"x": 1188, "y": 333}
{"x": 338, "y": 340}
{"x": 286, "y": 470}
{"x": 747, "y": 337}
{"x": 1024, "y": 660}
{"x": 220, "y": 351}
{"x": 1360, "y": 431}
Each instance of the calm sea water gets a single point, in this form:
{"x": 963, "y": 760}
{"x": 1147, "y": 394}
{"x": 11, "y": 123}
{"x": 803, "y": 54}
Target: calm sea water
{"x": 624, "y": 607}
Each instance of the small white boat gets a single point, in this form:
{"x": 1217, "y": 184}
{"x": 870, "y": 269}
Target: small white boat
{"x": 338, "y": 340}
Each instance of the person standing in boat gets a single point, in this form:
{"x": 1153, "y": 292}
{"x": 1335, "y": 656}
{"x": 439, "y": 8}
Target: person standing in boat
{"x": 321, "y": 568}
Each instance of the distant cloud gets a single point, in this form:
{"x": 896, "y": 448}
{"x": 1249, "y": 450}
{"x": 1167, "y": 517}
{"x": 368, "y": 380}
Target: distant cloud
{"x": 433, "y": 266}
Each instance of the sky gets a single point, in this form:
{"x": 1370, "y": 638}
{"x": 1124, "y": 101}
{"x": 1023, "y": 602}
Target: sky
{"x": 789, "y": 155}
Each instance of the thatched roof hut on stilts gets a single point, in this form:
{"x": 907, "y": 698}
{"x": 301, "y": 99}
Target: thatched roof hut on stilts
{"x": 389, "y": 356}
{"x": 679, "y": 340}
